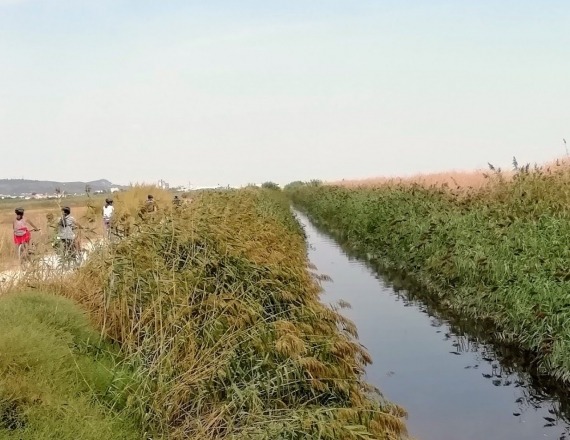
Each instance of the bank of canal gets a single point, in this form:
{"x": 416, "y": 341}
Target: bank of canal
{"x": 453, "y": 386}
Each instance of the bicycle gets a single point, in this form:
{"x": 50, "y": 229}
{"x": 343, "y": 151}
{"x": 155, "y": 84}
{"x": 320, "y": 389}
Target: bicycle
{"x": 72, "y": 253}
{"x": 107, "y": 230}
{"x": 23, "y": 250}
{"x": 110, "y": 234}
{"x": 69, "y": 254}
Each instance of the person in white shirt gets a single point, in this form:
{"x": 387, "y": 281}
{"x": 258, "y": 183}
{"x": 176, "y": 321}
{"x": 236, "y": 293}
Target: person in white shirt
{"x": 108, "y": 215}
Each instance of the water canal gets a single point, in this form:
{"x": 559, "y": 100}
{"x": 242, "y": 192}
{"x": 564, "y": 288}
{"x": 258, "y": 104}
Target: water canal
{"x": 453, "y": 385}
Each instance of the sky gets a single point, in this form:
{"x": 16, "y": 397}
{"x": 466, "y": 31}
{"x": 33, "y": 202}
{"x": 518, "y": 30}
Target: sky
{"x": 230, "y": 93}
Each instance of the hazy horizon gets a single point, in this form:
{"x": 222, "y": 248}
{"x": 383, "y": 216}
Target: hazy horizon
{"x": 227, "y": 93}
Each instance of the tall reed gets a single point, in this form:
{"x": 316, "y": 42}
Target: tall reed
{"x": 213, "y": 305}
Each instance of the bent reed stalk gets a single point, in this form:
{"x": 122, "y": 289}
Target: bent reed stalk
{"x": 215, "y": 310}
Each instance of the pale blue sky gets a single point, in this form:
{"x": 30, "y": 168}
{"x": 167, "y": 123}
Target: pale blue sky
{"x": 237, "y": 92}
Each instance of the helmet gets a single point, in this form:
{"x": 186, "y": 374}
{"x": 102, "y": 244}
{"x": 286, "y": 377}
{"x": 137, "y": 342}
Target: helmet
{"x": 19, "y": 211}
{"x": 108, "y": 200}
{"x": 66, "y": 210}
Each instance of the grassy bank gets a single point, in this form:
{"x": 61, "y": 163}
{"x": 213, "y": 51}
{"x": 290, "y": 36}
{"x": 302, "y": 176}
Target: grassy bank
{"x": 498, "y": 253}
{"x": 57, "y": 379}
{"x": 215, "y": 309}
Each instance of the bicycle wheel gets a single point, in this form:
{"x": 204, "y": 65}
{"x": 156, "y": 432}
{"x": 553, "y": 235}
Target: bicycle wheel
{"x": 23, "y": 252}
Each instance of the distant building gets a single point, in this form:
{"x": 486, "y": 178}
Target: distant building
{"x": 163, "y": 184}
{"x": 114, "y": 190}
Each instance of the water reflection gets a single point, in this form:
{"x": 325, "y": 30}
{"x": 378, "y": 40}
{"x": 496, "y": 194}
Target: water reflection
{"x": 502, "y": 365}
{"x": 454, "y": 379}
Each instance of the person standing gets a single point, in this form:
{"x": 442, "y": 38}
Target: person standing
{"x": 108, "y": 210}
{"x": 67, "y": 226}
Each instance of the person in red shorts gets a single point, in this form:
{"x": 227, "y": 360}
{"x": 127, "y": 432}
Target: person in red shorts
{"x": 22, "y": 233}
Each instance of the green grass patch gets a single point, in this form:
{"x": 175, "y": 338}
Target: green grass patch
{"x": 58, "y": 380}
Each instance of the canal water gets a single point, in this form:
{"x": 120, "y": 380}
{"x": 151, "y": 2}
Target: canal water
{"x": 453, "y": 386}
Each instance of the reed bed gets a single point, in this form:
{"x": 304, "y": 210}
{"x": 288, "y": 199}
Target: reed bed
{"x": 498, "y": 253}
{"x": 471, "y": 179}
{"x": 215, "y": 309}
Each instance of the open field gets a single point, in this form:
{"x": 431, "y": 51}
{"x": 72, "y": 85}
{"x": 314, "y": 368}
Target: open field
{"x": 218, "y": 318}
{"x": 87, "y": 211}
{"x": 84, "y": 209}
{"x": 498, "y": 253}
{"x": 41, "y": 239}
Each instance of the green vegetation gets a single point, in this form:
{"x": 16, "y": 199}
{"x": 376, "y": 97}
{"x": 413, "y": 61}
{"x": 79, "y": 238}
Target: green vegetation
{"x": 270, "y": 185}
{"x": 216, "y": 312}
{"x": 499, "y": 253}
{"x": 57, "y": 379}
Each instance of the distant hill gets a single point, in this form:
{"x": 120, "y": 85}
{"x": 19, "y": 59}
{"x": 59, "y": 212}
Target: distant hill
{"x": 16, "y": 187}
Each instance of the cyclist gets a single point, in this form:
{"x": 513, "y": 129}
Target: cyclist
{"x": 22, "y": 234}
{"x": 107, "y": 216}
{"x": 67, "y": 226}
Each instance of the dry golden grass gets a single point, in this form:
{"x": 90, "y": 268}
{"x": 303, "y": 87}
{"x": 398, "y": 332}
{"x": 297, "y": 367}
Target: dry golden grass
{"x": 453, "y": 179}
{"x": 474, "y": 179}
